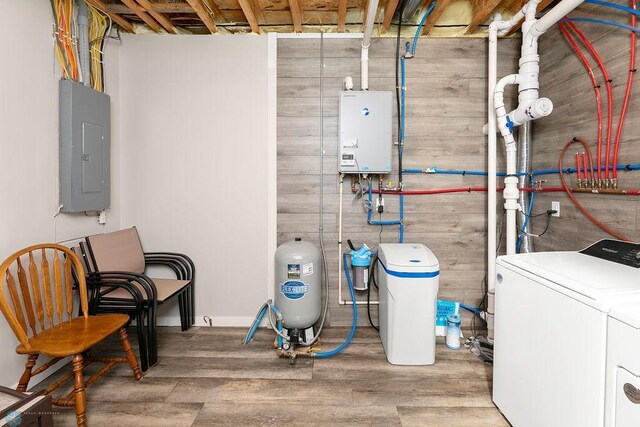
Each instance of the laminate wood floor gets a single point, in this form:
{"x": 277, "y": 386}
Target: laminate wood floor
{"x": 206, "y": 377}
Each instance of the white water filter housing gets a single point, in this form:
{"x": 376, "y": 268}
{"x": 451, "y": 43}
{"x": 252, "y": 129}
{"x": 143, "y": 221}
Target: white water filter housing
{"x": 408, "y": 277}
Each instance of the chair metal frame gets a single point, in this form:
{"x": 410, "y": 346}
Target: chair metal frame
{"x": 144, "y": 307}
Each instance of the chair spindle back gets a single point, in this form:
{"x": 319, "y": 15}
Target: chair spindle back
{"x": 35, "y": 302}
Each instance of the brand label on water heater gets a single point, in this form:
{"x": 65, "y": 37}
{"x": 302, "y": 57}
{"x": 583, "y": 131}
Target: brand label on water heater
{"x": 293, "y": 289}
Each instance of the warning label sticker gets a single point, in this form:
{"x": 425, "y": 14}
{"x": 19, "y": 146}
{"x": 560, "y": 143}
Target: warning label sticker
{"x": 307, "y": 269}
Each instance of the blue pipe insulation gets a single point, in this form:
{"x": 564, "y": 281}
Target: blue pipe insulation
{"x": 629, "y": 167}
{"x": 469, "y": 308}
{"x": 374, "y": 222}
{"x": 614, "y": 6}
{"x": 419, "y": 29}
{"x": 603, "y": 22}
{"x": 355, "y": 315}
{"x": 255, "y": 324}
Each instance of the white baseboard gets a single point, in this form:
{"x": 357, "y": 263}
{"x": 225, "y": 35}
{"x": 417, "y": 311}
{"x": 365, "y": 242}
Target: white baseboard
{"x": 229, "y": 321}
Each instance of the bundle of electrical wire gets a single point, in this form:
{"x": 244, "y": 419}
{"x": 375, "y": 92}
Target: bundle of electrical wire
{"x": 65, "y": 30}
{"x": 99, "y": 27}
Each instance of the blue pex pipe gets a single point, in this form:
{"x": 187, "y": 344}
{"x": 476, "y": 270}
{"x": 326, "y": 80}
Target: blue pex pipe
{"x": 373, "y": 222}
{"x": 419, "y": 29}
{"x": 614, "y": 6}
{"x": 355, "y": 316}
{"x": 436, "y": 171}
{"x": 603, "y": 22}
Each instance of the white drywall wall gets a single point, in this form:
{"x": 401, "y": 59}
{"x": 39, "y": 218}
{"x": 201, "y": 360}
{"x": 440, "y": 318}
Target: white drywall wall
{"x": 194, "y": 127}
{"x": 29, "y": 146}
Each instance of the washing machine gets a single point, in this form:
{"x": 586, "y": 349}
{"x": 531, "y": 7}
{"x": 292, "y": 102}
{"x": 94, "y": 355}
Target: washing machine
{"x": 551, "y": 324}
{"x": 623, "y": 366}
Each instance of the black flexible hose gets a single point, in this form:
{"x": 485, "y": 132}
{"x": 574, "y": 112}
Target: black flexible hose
{"x": 400, "y": 13}
{"x": 371, "y": 280}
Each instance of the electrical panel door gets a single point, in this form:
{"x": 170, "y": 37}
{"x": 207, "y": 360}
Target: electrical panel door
{"x": 365, "y": 132}
{"x": 84, "y": 148}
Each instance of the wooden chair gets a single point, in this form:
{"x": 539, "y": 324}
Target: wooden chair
{"x": 118, "y": 257}
{"x": 41, "y": 317}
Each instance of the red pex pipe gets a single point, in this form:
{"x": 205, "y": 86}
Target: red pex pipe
{"x": 578, "y": 167}
{"x": 607, "y": 81}
{"x": 627, "y": 94}
{"x": 584, "y": 162}
{"x": 596, "y": 88}
{"x": 573, "y": 197}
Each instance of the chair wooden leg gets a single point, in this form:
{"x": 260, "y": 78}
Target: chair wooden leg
{"x": 26, "y": 375}
{"x": 78, "y": 390}
{"x": 131, "y": 356}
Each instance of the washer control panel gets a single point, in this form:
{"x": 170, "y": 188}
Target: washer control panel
{"x": 615, "y": 250}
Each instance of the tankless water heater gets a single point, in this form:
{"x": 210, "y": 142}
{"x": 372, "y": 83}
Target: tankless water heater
{"x": 365, "y": 132}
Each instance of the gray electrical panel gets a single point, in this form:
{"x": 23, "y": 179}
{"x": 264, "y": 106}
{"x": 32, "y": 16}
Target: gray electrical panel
{"x": 85, "y": 136}
{"x": 365, "y": 143}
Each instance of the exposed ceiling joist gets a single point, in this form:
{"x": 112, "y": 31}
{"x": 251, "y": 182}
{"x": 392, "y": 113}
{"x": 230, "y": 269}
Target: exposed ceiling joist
{"x": 389, "y": 11}
{"x": 159, "y": 17}
{"x": 296, "y": 15}
{"x": 203, "y": 14}
{"x": 249, "y": 13}
{"x": 213, "y": 7}
{"x": 435, "y": 16}
{"x": 162, "y": 7}
{"x": 481, "y": 11}
{"x": 257, "y": 11}
{"x": 342, "y": 15}
{"x": 123, "y": 23}
{"x": 543, "y": 4}
{"x": 142, "y": 14}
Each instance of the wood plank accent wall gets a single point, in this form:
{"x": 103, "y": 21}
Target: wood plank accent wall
{"x": 565, "y": 81}
{"x": 446, "y": 109}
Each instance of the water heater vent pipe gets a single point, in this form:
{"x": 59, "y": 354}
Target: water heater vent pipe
{"x": 372, "y": 11}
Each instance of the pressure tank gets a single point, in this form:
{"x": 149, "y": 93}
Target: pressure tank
{"x": 298, "y": 289}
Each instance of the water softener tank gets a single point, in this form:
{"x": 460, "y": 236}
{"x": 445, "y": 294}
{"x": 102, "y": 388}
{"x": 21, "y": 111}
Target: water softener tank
{"x": 298, "y": 289}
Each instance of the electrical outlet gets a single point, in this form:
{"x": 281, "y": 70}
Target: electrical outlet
{"x": 555, "y": 206}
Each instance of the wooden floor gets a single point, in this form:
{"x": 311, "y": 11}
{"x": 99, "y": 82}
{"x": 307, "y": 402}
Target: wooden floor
{"x": 206, "y": 377}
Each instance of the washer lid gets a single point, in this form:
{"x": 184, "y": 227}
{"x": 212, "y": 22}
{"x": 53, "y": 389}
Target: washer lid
{"x": 591, "y": 277}
{"x": 408, "y": 257}
{"x": 628, "y": 313}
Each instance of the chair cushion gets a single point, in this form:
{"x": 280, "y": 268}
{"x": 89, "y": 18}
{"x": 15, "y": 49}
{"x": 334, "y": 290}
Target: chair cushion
{"x": 75, "y": 336}
{"x": 118, "y": 251}
{"x": 166, "y": 289}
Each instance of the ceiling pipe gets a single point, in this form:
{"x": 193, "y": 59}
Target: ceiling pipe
{"x": 372, "y": 10}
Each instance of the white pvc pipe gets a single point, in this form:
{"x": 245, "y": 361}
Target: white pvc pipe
{"x": 491, "y": 177}
{"x": 553, "y": 16}
{"x": 364, "y": 68}
{"x": 372, "y": 10}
